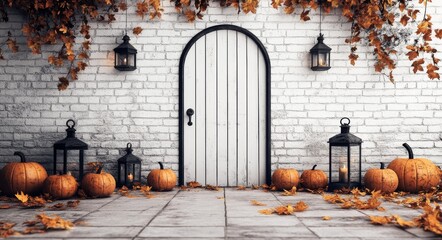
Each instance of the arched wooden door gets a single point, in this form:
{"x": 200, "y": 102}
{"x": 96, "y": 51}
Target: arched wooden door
{"x": 224, "y": 109}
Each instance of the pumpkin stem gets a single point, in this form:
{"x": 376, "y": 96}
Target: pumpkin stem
{"x": 382, "y": 165}
{"x": 409, "y": 150}
{"x": 314, "y": 166}
{"x": 99, "y": 170}
{"x": 21, "y": 155}
{"x": 161, "y": 165}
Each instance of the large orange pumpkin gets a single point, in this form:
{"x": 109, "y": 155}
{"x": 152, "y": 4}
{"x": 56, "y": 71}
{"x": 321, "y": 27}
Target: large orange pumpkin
{"x": 60, "y": 186}
{"x": 415, "y": 174}
{"x": 26, "y": 177}
{"x": 99, "y": 184}
{"x": 161, "y": 179}
{"x": 382, "y": 179}
{"x": 314, "y": 179}
{"x": 285, "y": 178}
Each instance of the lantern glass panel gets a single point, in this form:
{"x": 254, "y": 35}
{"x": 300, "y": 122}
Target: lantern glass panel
{"x": 341, "y": 166}
{"x": 122, "y": 176}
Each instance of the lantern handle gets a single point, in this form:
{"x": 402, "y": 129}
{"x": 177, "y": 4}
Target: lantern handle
{"x": 129, "y": 145}
{"x": 21, "y": 155}
{"x": 73, "y": 123}
{"x": 345, "y": 123}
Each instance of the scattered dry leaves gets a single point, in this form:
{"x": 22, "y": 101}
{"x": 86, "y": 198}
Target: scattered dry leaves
{"x": 256, "y": 203}
{"x": 326, "y": 218}
{"x": 194, "y": 184}
{"x": 285, "y": 209}
{"x": 212, "y": 188}
{"x": 292, "y": 192}
{"x": 241, "y": 188}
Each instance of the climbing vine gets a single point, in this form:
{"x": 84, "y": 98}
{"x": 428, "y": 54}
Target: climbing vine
{"x": 386, "y": 25}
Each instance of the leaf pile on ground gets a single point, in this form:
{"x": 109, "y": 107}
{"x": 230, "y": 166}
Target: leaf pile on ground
{"x": 291, "y": 192}
{"x": 288, "y": 209}
{"x": 143, "y": 189}
{"x": 62, "y": 206}
{"x": 354, "y": 201}
{"x": 256, "y": 203}
{"x": 31, "y": 202}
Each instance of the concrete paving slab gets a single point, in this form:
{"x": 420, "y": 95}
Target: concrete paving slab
{"x": 269, "y": 232}
{"x": 271, "y": 220}
{"x": 183, "y": 232}
{"x": 379, "y": 232}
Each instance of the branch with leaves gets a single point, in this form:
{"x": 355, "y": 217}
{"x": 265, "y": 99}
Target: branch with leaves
{"x": 386, "y": 26}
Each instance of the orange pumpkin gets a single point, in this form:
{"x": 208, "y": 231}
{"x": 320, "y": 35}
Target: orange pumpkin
{"x": 314, "y": 179}
{"x": 285, "y": 178}
{"x": 60, "y": 186}
{"x": 382, "y": 179}
{"x": 161, "y": 179}
{"x": 99, "y": 184}
{"x": 415, "y": 174}
{"x": 26, "y": 177}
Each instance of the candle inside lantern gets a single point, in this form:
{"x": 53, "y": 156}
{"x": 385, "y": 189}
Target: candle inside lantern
{"x": 321, "y": 61}
{"x": 130, "y": 177}
{"x": 343, "y": 174}
{"x": 125, "y": 61}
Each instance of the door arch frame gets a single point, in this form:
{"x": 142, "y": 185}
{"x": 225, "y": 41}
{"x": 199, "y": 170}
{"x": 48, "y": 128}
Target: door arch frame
{"x": 181, "y": 109}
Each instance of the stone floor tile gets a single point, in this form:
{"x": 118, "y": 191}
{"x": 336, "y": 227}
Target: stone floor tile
{"x": 334, "y": 221}
{"x": 372, "y": 231}
{"x": 331, "y": 213}
{"x": 89, "y": 232}
{"x": 271, "y": 220}
{"x": 185, "y": 232}
{"x": 269, "y": 232}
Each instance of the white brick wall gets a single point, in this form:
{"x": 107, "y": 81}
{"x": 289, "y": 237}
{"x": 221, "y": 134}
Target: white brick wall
{"x": 113, "y": 108}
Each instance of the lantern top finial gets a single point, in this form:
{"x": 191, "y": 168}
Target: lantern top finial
{"x": 344, "y": 138}
{"x": 126, "y": 39}
{"x": 129, "y": 157}
{"x": 129, "y": 148}
{"x": 71, "y": 142}
{"x": 321, "y": 38}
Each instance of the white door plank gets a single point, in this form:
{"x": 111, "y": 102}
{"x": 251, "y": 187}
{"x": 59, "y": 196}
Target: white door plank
{"x": 252, "y": 113}
{"x": 262, "y": 119}
{"x": 211, "y": 109}
{"x": 189, "y": 102}
{"x": 222, "y": 103}
{"x": 242, "y": 108}
{"x": 232, "y": 69}
{"x": 200, "y": 110}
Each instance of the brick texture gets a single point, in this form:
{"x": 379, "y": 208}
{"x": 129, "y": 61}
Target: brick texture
{"x": 113, "y": 108}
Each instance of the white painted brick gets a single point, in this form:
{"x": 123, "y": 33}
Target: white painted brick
{"x": 115, "y": 107}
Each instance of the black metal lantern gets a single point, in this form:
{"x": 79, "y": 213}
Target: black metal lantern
{"x": 67, "y": 144}
{"x": 320, "y": 53}
{"x": 125, "y": 56}
{"x": 129, "y": 168}
{"x": 344, "y": 159}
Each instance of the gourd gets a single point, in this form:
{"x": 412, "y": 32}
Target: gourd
{"x": 382, "y": 179}
{"x": 314, "y": 179}
{"x": 99, "y": 184}
{"x": 161, "y": 179}
{"x": 60, "y": 186}
{"x": 285, "y": 178}
{"x": 415, "y": 174}
{"x": 26, "y": 177}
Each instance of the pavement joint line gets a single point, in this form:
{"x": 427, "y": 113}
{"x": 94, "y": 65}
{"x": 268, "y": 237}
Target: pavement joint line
{"x": 98, "y": 209}
{"x": 158, "y": 213}
{"x": 277, "y": 199}
{"x": 225, "y": 214}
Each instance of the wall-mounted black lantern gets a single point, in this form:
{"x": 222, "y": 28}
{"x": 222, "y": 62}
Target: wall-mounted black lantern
{"x": 344, "y": 159}
{"x": 125, "y": 56}
{"x": 68, "y": 144}
{"x": 129, "y": 168}
{"x": 320, "y": 53}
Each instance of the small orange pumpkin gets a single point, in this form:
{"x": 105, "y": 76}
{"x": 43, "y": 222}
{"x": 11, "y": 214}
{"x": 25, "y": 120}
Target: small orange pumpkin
{"x": 314, "y": 179}
{"x": 285, "y": 178}
{"x": 99, "y": 184}
{"x": 415, "y": 174}
{"x": 382, "y": 179}
{"x": 60, "y": 186}
{"x": 161, "y": 179}
{"x": 26, "y": 177}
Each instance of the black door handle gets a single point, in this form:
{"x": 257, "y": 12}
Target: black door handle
{"x": 189, "y": 113}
